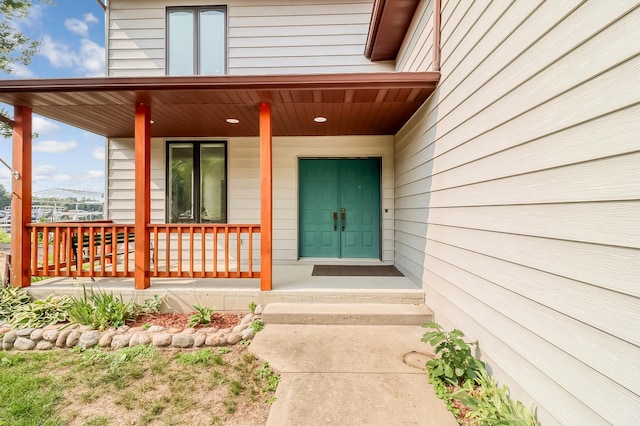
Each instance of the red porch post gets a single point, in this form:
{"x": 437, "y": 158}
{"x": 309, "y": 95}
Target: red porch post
{"x": 142, "y": 195}
{"x": 266, "y": 196}
{"x": 21, "y": 198}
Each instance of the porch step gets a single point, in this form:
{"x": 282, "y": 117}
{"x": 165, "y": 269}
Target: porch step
{"x": 346, "y": 314}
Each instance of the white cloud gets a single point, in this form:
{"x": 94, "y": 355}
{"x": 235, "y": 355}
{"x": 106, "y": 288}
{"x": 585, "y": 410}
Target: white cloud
{"x": 90, "y": 18}
{"x": 77, "y": 26}
{"x": 98, "y": 153}
{"x": 58, "y": 54}
{"x": 22, "y": 71}
{"x": 95, "y": 174}
{"x": 62, "y": 178}
{"x": 92, "y": 57}
{"x": 89, "y": 60}
{"x": 42, "y": 126}
{"x": 54, "y": 147}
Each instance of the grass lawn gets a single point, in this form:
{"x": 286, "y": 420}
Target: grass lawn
{"x": 135, "y": 386}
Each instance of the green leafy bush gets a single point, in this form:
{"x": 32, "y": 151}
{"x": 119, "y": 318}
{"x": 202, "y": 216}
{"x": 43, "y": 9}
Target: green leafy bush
{"x": 456, "y": 364}
{"x": 10, "y": 299}
{"x": 202, "y": 315}
{"x": 257, "y": 325}
{"x": 459, "y": 378}
{"x": 40, "y": 313}
{"x": 102, "y": 310}
{"x": 491, "y": 405}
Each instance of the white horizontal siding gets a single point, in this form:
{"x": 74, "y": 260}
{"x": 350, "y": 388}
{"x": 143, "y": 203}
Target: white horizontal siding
{"x": 518, "y": 197}
{"x": 243, "y": 173}
{"x": 275, "y": 37}
{"x": 416, "y": 52}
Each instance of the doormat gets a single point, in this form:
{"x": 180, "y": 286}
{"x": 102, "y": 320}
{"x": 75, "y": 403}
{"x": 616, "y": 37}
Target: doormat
{"x": 356, "y": 271}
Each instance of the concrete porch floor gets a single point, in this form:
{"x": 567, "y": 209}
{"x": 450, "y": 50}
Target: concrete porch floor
{"x": 292, "y": 283}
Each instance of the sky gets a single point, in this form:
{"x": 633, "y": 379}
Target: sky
{"x": 72, "y": 35}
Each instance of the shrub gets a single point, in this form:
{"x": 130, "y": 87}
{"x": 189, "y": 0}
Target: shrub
{"x": 202, "y": 315}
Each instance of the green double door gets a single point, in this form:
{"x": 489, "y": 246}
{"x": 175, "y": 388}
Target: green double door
{"x": 339, "y": 208}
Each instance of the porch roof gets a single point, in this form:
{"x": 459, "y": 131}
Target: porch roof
{"x": 198, "y": 106}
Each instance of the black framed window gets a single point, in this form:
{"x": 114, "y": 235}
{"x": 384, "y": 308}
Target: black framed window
{"x": 196, "y": 182}
{"x": 196, "y": 40}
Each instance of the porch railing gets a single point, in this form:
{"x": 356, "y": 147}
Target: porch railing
{"x": 105, "y": 249}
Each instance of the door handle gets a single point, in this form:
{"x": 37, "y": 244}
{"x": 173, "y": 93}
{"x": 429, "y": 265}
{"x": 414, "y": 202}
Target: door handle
{"x": 343, "y": 217}
{"x": 335, "y": 221}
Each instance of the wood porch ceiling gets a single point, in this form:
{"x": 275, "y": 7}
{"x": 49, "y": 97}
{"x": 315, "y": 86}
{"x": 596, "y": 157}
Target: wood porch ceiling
{"x": 354, "y": 104}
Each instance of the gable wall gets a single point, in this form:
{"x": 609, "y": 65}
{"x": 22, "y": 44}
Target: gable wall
{"x": 517, "y": 197}
{"x": 274, "y": 37}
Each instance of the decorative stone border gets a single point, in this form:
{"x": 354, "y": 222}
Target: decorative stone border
{"x": 85, "y": 337}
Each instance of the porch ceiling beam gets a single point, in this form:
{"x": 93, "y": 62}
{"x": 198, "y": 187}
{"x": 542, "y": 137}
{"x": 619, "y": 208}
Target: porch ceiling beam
{"x": 142, "y": 195}
{"x": 387, "y": 80}
{"x": 21, "y": 198}
{"x": 266, "y": 197}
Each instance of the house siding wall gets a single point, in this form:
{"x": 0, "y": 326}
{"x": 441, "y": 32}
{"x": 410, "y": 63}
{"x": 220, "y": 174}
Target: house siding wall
{"x": 275, "y": 37}
{"x": 243, "y": 175}
{"x": 518, "y": 197}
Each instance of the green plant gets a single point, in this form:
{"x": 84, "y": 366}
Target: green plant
{"x": 203, "y": 356}
{"x": 10, "y": 299}
{"x": 101, "y": 310}
{"x": 456, "y": 365}
{"x": 40, "y": 313}
{"x": 492, "y": 405}
{"x": 272, "y": 379}
{"x": 201, "y": 316}
{"x": 257, "y": 325}
{"x": 252, "y": 307}
{"x": 152, "y": 305}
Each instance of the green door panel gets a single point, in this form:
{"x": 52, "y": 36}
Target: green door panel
{"x": 348, "y": 188}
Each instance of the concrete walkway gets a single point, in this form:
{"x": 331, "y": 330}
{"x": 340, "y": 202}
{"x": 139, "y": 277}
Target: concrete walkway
{"x": 350, "y": 375}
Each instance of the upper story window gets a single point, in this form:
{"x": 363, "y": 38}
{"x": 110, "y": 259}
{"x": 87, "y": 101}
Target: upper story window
{"x": 196, "y": 40}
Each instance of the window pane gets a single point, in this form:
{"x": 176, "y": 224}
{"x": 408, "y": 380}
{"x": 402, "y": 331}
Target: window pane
{"x": 181, "y": 42}
{"x": 212, "y": 52}
{"x": 213, "y": 187}
{"x": 180, "y": 183}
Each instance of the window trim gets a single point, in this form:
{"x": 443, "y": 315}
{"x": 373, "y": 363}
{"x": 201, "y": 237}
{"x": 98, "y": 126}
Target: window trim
{"x": 196, "y": 38}
{"x": 196, "y": 144}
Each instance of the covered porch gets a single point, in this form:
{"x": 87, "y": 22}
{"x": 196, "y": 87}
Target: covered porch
{"x": 196, "y": 107}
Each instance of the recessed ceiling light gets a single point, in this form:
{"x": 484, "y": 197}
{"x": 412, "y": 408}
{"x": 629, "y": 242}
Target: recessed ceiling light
{"x": 233, "y": 121}
{"x": 152, "y": 121}
{"x": 320, "y": 119}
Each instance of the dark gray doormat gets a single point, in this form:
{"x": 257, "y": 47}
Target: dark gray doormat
{"x": 356, "y": 271}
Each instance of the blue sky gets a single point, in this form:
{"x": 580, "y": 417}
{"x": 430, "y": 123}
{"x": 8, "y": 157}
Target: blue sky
{"x": 72, "y": 37}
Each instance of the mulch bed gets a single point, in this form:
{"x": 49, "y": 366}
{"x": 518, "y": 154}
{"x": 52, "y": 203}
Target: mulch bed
{"x": 181, "y": 320}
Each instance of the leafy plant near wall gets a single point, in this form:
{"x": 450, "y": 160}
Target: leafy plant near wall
{"x": 201, "y": 316}
{"x": 102, "y": 310}
{"x": 463, "y": 383}
{"x": 17, "y": 309}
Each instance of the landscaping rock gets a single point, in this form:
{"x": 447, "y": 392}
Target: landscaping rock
{"x": 24, "y": 344}
{"x": 89, "y": 339}
{"x": 120, "y": 341}
{"x": 140, "y": 338}
{"x": 106, "y": 338}
{"x": 85, "y": 328}
{"x": 5, "y": 329}
{"x": 233, "y": 338}
{"x": 199, "y": 339}
{"x": 182, "y": 341}
{"x": 211, "y": 340}
{"x": 10, "y": 337}
{"x": 36, "y": 335}
{"x": 161, "y": 340}
{"x": 156, "y": 328}
{"x": 258, "y": 310}
{"x": 24, "y": 332}
{"x": 61, "y": 341}
{"x": 73, "y": 338}
{"x": 240, "y": 327}
{"x": 189, "y": 330}
{"x": 50, "y": 335}
{"x": 123, "y": 328}
{"x": 247, "y": 319}
{"x": 44, "y": 345}
{"x": 248, "y": 334}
